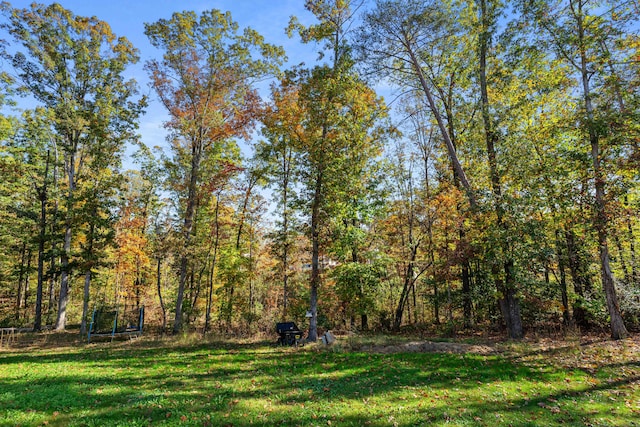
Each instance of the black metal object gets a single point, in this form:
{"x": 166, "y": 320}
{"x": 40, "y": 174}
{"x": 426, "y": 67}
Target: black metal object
{"x": 289, "y": 333}
{"x": 114, "y": 322}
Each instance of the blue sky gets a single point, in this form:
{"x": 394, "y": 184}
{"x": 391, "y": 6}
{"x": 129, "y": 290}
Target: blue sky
{"x": 127, "y": 18}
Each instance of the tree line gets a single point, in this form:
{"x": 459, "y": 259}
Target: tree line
{"x": 497, "y": 189}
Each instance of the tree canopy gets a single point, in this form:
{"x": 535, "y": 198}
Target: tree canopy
{"x": 495, "y": 185}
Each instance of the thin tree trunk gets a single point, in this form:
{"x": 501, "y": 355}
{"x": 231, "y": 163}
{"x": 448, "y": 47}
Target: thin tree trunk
{"x": 27, "y": 279}
{"x": 632, "y": 250}
{"x": 404, "y": 296}
{"x": 562, "y": 264}
{"x": 192, "y": 294}
{"x": 427, "y": 187}
{"x": 51, "y": 273}
{"x": 251, "y": 272}
{"x": 415, "y": 305}
{"x": 462, "y": 253}
{"x": 253, "y": 180}
{"x": 209, "y": 307}
{"x": 137, "y": 283}
{"x": 23, "y": 254}
{"x": 436, "y": 302}
{"x": 581, "y": 281}
{"x": 315, "y": 256}
{"x": 618, "y": 329}
{"x": 623, "y": 263}
{"x": 63, "y": 297}
{"x": 87, "y": 277}
{"x": 52, "y": 276}
{"x": 159, "y": 288}
{"x": 441, "y": 126}
{"x": 286, "y": 173}
{"x": 509, "y": 304}
{"x": 85, "y": 302}
{"x": 467, "y": 303}
{"x": 207, "y": 322}
{"x": 409, "y": 267}
{"x": 52, "y": 279}
{"x": 42, "y": 197}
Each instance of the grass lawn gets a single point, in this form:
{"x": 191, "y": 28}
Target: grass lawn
{"x": 155, "y": 382}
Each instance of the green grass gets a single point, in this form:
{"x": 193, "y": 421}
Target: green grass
{"x": 218, "y": 384}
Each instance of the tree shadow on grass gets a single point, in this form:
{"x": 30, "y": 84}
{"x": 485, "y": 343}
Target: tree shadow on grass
{"x": 258, "y": 385}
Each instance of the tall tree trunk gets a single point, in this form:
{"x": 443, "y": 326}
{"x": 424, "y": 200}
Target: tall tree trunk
{"x": 285, "y": 280}
{"x": 51, "y": 273}
{"x": 315, "y": 255}
{"x": 216, "y": 242}
{"x": 285, "y": 229}
{"x": 415, "y": 62}
{"x": 253, "y": 180}
{"x": 187, "y": 228}
{"x": 63, "y": 297}
{"x": 601, "y": 223}
{"x": 430, "y": 219}
{"x": 251, "y": 273}
{"x": 410, "y": 262}
{"x": 42, "y": 197}
{"x": 87, "y": 276}
{"x": 461, "y": 253}
{"x": 65, "y": 274}
{"x": 509, "y": 304}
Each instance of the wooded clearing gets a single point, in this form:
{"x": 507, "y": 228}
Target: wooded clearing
{"x": 53, "y": 379}
{"x": 494, "y": 188}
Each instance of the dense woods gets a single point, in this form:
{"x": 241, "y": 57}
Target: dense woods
{"x": 496, "y": 189}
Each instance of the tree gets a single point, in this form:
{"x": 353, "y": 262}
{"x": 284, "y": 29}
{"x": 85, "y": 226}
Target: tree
{"x": 22, "y": 168}
{"x": 38, "y": 143}
{"x": 204, "y": 80}
{"x": 393, "y": 40}
{"x": 336, "y": 133}
{"x": 74, "y": 66}
{"x": 590, "y": 40}
{"x": 98, "y": 230}
{"x": 404, "y": 234}
{"x": 280, "y": 121}
{"x": 400, "y": 38}
{"x": 505, "y": 281}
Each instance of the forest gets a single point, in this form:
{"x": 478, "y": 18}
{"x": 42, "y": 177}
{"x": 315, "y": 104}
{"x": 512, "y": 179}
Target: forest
{"x": 496, "y": 191}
